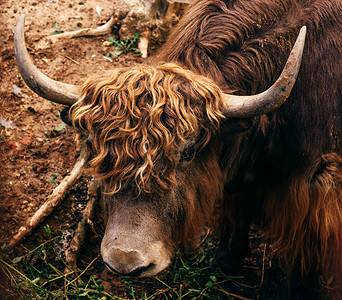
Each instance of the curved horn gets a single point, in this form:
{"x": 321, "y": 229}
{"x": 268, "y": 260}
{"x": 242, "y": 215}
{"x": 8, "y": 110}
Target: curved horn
{"x": 275, "y": 96}
{"x": 42, "y": 85}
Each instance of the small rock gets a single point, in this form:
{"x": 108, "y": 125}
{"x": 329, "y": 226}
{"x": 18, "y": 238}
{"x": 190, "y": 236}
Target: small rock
{"x": 98, "y": 10}
{"x": 107, "y": 43}
{"x": 7, "y": 123}
{"x": 17, "y": 91}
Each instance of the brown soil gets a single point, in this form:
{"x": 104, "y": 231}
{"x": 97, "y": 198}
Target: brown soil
{"x": 35, "y": 152}
{"x": 34, "y": 148}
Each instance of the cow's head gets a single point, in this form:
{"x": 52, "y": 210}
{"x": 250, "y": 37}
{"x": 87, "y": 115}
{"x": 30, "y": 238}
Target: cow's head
{"x": 147, "y": 126}
{"x": 153, "y": 135}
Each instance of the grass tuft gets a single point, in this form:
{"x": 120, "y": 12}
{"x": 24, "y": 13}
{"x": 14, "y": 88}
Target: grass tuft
{"x": 38, "y": 274}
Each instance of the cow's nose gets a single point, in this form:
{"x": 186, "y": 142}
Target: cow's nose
{"x": 127, "y": 262}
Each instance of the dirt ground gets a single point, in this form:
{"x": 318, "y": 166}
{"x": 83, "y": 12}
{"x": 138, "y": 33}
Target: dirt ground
{"x": 36, "y": 149}
{"x": 36, "y": 152}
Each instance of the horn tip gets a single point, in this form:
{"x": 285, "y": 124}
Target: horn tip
{"x": 302, "y": 31}
{"x": 21, "y": 22}
{"x": 22, "y": 17}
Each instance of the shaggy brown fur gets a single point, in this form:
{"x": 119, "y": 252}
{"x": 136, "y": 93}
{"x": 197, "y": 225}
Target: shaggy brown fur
{"x": 141, "y": 118}
{"x": 282, "y": 170}
{"x": 286, "y": 167}
{"x": 308, "y": 223}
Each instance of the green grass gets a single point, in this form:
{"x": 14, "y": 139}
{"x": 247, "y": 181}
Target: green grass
{"x": 39, "y": 274}
{"x": 124, "y": 46}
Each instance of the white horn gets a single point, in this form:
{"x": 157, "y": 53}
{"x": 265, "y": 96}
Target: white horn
{"x": 275, "y": 96}
{"x": 38, "y": 82}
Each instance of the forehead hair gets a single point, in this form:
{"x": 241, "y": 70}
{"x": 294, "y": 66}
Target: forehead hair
{"x": 141, "y": 117}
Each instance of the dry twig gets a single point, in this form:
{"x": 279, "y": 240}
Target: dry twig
{"x": 233, "y": 295}
{"x": 74, "y": 61}
{"x": 54, "y": 199}
{"x": 263, "y": 269}
{"x": 205, "y": 237}
{"x": 78, "y": 239}
{"x": 101, "y": 30}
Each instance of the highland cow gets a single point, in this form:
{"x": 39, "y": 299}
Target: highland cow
{"x": 175, "y": 138}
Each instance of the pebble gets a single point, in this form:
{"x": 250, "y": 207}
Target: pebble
{"x": 106, "y": 43}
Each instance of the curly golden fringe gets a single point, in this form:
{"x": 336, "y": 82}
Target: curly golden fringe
{"x": 308, "y": 226}
{"x": 140, "y": 119}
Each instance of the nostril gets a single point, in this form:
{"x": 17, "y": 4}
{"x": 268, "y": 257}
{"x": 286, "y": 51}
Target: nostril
{"x": 135, "y": 272}
{"x": 141, "y": 270}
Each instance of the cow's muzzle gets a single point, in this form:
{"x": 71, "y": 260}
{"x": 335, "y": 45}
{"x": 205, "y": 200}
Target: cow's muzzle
{"x": 140, "y": 261}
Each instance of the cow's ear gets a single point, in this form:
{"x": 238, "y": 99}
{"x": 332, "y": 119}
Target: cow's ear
{"x": 65, "y": 115}
{"x": 239, "y": 125}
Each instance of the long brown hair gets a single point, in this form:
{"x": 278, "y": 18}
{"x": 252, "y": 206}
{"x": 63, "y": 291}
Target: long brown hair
{"x": 140, "y": 119}
{"x": 242, "y": 46}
